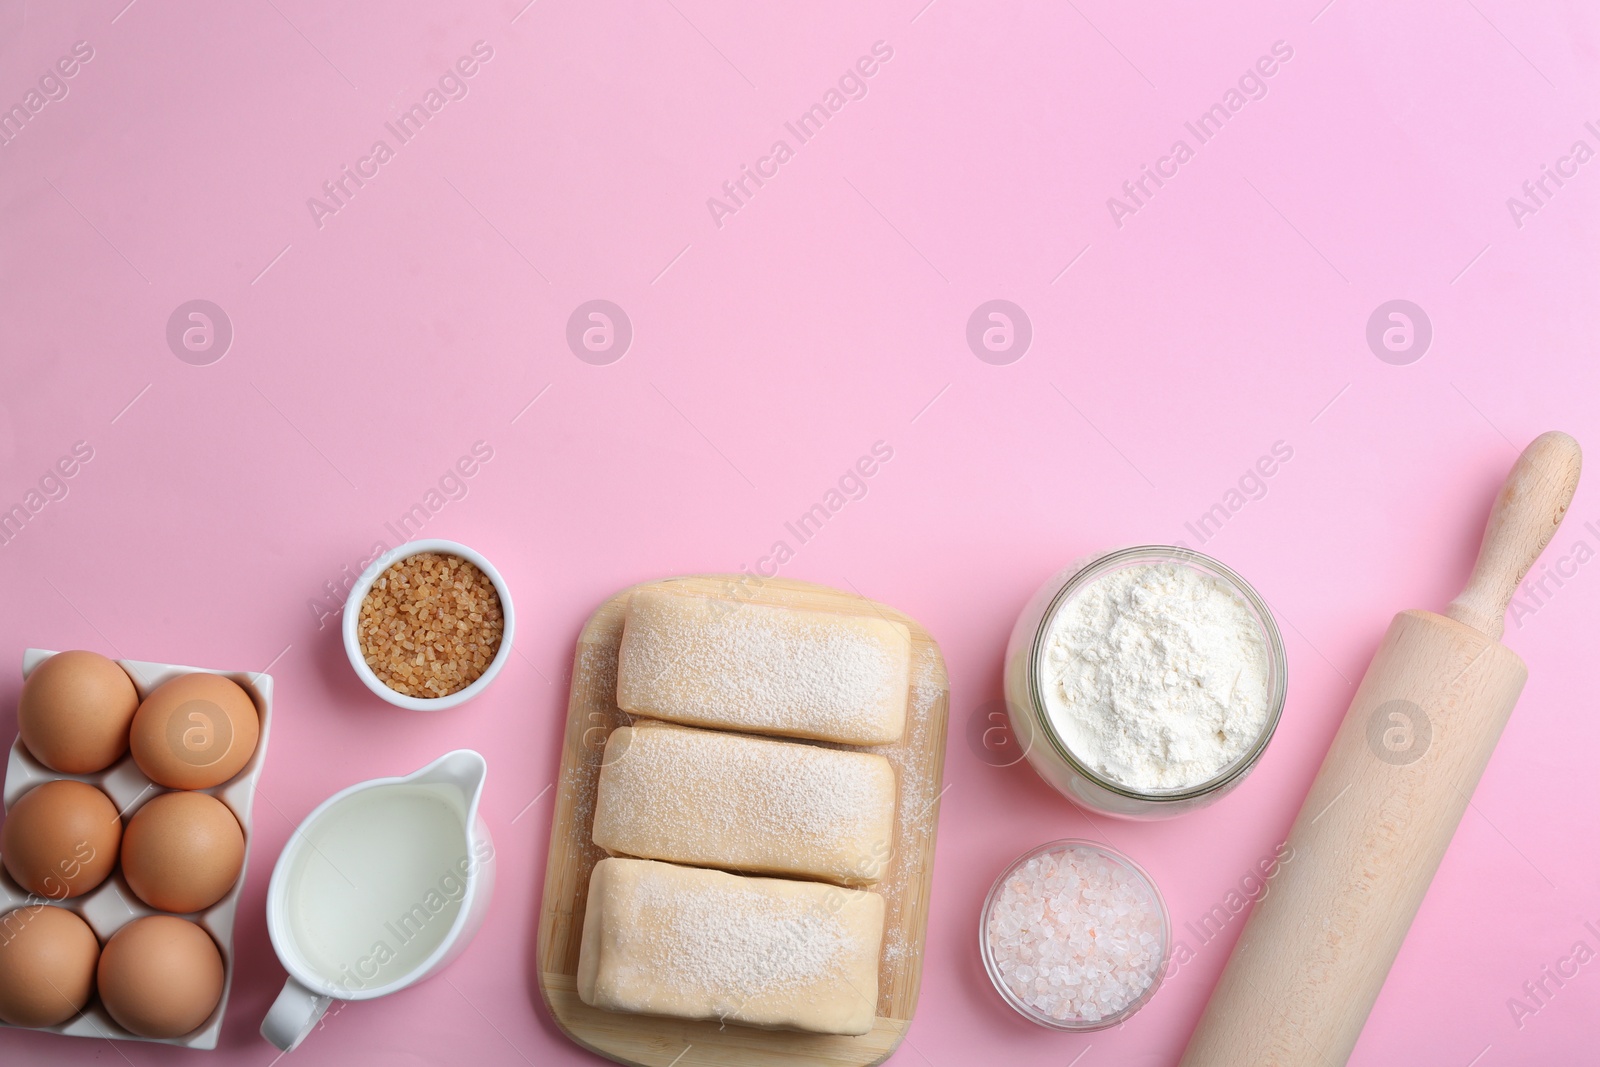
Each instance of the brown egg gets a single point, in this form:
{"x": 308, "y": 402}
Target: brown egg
{"x": 75, "y": 712}
{"x": 60, "y": 839}
{"x": 194, "y": 732}
{"x": 182, "y": 852}
{"x": 160, "y": 976}
{"x": 47, "y": 962}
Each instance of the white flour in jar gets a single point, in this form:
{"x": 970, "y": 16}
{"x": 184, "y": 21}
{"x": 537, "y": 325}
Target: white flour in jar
{"x": 1156, "y": 676}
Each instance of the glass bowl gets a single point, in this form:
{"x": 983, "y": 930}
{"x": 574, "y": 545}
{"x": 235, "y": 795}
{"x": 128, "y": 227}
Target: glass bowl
{"x": 1047, "y": 750}
{"x": 1115, "y": 1013}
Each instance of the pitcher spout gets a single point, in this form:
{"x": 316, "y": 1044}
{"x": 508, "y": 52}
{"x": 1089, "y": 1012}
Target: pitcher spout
{"x": 463, "y": 769}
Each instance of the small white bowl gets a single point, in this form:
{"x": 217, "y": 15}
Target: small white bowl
{"x": 352, "y": 614}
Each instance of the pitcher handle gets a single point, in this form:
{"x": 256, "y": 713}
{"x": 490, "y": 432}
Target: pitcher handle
{"x": 294, "y": 1014}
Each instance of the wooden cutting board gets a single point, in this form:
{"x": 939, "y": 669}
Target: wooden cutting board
{"x": 918, "y": 759}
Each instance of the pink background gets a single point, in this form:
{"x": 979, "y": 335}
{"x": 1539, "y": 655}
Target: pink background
{"x": 828, "y": 313}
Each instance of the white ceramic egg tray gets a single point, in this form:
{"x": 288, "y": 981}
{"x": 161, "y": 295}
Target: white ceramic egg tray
{"x": 112, "y": 905}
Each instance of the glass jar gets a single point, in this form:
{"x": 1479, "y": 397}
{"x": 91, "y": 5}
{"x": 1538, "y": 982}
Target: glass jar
{"x": 1042, "y": 742}
{"x": 1152, "y": 900}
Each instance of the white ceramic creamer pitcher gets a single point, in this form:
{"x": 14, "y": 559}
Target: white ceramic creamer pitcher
{"x": 380, "y": 887}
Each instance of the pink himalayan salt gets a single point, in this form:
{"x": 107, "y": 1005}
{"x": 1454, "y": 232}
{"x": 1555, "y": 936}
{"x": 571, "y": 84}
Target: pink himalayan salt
{"x": 1075, "y": 935}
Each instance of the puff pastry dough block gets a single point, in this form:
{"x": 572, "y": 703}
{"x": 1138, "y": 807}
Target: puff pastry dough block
{"x": 716, "y": 799}
{"x": 696, "y": 944}
{"x": 709, "y": 661}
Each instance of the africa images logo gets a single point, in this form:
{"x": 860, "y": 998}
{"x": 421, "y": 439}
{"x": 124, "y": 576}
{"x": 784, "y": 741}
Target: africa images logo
{"x": 453, "y": 84}
{"x": 1252, "y": 85}
{"x": 199, "y": 733}
{"x": 851, "y": 85}
{"x": 599, "y": 332}
{"x": 199, "y": 332}
{"x": 1399, "y": 732}
{"x": 52, "y": 87}
{"x": 1399, "y": 332}
{"x": 999, "y": 332}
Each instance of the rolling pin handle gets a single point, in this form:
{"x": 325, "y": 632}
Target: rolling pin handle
{"x": 1525, "y": 516}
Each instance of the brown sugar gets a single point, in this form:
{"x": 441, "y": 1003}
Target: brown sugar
{"x": 430, "y": 625}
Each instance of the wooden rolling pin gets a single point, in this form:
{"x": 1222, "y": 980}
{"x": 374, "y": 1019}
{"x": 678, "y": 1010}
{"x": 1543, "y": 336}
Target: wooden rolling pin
{"x": 1382, "y": 810}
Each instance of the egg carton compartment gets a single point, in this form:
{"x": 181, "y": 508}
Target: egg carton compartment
{"x": 112, "y": 905}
